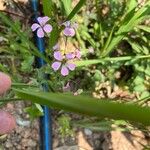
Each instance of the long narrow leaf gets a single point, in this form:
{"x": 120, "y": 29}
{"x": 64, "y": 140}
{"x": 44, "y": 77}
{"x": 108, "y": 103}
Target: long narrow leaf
{"x": 109, "y": 59}
{"x": 88, "y": 106}
{"x": 76, "y": 9}
{"x": 47, "y": 7}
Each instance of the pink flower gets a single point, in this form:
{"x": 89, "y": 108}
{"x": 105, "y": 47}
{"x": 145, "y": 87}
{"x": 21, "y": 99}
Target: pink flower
{"x": 42, "y": 26}
{"x": 69, "y": 29}
{"x": 63, "y": 62}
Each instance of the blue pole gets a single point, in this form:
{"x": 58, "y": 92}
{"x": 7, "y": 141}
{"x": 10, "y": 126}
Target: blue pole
{"x": 45, "y": 121}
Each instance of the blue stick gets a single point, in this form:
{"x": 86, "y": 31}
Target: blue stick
{"x": 45, "y": 121}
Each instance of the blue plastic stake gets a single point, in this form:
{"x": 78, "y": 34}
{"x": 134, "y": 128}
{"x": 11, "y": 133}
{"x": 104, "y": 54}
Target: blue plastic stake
{"x": 45, "y": 121}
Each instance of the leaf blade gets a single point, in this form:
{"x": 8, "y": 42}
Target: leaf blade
{"x": 89, "y": 106}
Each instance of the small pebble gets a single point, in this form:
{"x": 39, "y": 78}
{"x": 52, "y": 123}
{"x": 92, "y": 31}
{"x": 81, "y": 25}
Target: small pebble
{"x": 88, "y": 132}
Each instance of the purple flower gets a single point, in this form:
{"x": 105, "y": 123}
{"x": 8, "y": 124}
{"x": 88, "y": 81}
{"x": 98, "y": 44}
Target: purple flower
{"x": 69, "y": 56}
{"x": 41, "y": 26}
{"x": 63, "y": 62}
{"x": 69, "y": 30}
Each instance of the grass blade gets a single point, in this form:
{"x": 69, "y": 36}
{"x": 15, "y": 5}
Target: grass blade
{"x": 88, "y": 106}
{"x": 76, "y": 9}
{"x": 131, "y": 20}
{"x": 47, "y": 7}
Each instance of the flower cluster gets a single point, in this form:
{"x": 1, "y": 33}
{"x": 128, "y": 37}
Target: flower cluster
{"x": 65, "y": 61}
{"x": 43, "y": 27}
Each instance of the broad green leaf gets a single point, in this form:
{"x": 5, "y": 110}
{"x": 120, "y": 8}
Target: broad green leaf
{"x": 88, "y": 106}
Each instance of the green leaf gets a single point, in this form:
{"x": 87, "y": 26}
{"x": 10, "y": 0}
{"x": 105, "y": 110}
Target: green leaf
{"x": 22, "y": 36}
{"x": 88, "y": 106}
{"x": 144, "y": 27}
{"x": 26, "y": 65}
{"x": 66, "y": 5}
{"x": 138, "y": 80}
{"x": 140, "y": 88}
{"x": 87, "y": 62}
{"x": 131, "y": 4}
{"x": 34, "y": 111}
{"x": 145, "y": 94}
{"x": 47, "y": 7}
{"x": 110, "y": 59}
{"x": 76, "y": 9}
{"x": 130, "y": 20}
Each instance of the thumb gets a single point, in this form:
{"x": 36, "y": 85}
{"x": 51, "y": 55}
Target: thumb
{"x": 7, "y": 122}
{"x": 5, "y": 82}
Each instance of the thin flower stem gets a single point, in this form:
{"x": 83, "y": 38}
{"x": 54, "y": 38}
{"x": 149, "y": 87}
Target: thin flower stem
{"x": 66, "y": 39}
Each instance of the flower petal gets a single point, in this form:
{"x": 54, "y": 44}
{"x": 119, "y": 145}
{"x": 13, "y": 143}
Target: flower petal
{"x": 69, "y": 56}
{"x": 71, "y": 66}
{"x": 58, "y": 56}
{"x": 40, "y": 33}
{"x": 64, "y": 71}
{"x": 42, "y": 20}
{"x": 47, "y": 28}
{"x": 68, "y": 31}
{"x": 67, "y": 24}
{"x": 56, "y": 65}
{"x": 35, "y": 26}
